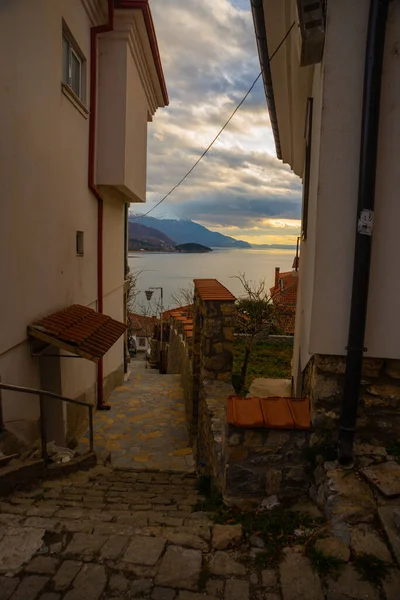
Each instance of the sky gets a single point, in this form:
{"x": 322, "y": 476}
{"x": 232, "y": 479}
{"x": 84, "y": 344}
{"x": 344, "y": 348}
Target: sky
{"x": 240, "y": 188}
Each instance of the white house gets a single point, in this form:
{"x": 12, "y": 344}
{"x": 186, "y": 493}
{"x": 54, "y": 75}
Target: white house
{"x": 80, "y": 81}
{"x": 333, "y": 93}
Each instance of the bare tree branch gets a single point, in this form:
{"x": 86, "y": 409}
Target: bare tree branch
{"x": 256, "y": 316}
{"x": 184, "y": 297}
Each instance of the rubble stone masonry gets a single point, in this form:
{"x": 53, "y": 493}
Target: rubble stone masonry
{"x": 379, "y": 406}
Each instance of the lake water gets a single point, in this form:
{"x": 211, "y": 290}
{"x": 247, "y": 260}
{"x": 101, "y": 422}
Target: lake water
{"x": 175, "y": 271}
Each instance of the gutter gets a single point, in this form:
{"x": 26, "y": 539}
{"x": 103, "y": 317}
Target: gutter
{"x": 94, "y": 32}
{"x": 365, "y": 216}
{"x": 262, "y": 44}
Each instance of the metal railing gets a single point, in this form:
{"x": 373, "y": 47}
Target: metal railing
{"x": 43, "y": 394}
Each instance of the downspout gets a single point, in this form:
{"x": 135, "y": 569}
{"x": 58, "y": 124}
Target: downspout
{"x": 94, "y": 32}
{"x": 261, "y": 37}
{"x": 365, "y": 215}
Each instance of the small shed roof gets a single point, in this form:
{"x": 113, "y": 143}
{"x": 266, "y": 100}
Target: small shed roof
{"x": 79, "y": 330}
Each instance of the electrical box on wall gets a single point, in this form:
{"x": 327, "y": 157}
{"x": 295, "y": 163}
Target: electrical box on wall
{"x": 311, "y": 14}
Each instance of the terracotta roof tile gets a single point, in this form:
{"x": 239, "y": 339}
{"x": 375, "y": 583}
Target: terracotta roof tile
{"x": 287, "y": 293}
{"x": 180, "y": 310}
{"x": 276, "y": 413}
{"x": 271, "y": 413}
{"x": 80, "y": 330}
{"x": 212, "y": 289}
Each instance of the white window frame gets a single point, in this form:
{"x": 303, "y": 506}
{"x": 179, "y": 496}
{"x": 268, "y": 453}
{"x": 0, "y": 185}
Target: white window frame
{"x": 73, "y": 51}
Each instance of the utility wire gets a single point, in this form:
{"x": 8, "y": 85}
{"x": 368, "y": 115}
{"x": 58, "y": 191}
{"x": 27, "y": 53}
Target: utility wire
{"x": 220, "y": 131}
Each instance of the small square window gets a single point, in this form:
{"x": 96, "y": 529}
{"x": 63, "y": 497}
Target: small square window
{"x": 142, "y": 342}
{"x": 79, "y": 243}
{"x": 72, "y": 65}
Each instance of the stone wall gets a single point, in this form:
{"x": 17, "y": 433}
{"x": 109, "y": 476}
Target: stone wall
{"x": 240, "y": 462}
{"x": 212, "y": 430}
{"x": 180, "y": 360}
{"x": 262, "y": 462}
{"x": 379, "y": 406}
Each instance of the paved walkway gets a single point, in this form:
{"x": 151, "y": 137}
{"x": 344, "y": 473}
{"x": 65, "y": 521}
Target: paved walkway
{"x": 145, "y": 428}
{"x": 113, "y": 535}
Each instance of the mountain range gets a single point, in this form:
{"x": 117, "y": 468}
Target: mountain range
{"x": 183, "y": 231}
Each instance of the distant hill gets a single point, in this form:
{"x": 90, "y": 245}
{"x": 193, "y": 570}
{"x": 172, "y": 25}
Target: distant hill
{"x": 137, "y": 232}
{"x": 186, "y": 231}
{"x": 192, "y": 248}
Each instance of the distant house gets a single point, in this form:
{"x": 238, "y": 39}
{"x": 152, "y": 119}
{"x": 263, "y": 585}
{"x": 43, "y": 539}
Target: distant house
{"x": 284, "y": 296}
{"x": 81, "y": 80}
{"x": 182, "y": 310}
{"x": 141, "y": 329}
{"x": 333, "y": 94}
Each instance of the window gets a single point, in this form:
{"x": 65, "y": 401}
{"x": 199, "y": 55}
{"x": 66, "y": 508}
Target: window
{"x": 73, "y": 65}
{"x": 307, "y": 168}
{"x": 79, "y": 243}
{"x": 142, "y": 342}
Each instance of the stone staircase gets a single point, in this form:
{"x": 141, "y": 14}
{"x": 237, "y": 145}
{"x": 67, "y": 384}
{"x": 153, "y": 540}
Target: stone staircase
{"x": 104, "y": 534}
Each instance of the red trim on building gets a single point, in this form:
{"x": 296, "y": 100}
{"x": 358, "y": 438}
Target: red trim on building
{"x": 144, "y": 6}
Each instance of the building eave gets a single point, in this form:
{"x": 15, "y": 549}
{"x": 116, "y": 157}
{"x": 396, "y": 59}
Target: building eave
{"x": 262, "y": 45}
{"x": 95, "y": 11}
{"x": 144, "y": 7}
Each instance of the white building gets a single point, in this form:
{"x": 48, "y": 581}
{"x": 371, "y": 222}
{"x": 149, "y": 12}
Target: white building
{"x": 80, "y": 81}
{"x": 317, "y": 94}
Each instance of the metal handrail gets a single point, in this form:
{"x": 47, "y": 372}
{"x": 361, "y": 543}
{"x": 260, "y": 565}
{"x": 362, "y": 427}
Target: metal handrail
{"x": 42, "y": 395}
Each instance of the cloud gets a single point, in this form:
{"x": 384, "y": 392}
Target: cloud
{"x": 210, "y": 60}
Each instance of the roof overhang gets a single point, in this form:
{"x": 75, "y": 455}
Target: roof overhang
{"x": 287, "y": 84}
{"x": 79, "y": 330}
{"x": 150, "y": 43}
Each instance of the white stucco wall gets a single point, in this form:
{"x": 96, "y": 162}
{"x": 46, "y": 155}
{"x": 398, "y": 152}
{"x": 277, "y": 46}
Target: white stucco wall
{"x": 123, "y": 112}
{"x": 337, "y": 181}
{"x": 45, "y": 198}
{"x": 327, "y": 256}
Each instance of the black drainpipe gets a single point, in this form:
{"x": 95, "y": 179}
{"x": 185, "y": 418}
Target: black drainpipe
{"x": 365, "y": 215}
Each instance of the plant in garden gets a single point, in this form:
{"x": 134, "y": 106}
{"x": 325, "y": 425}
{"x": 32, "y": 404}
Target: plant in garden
{"x": 256, "y": 319}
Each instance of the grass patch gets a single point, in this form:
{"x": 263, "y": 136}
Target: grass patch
{"x": 270, "y": 358}
{"x": 325, "y": 448}
{"x": 39, "y": 497}
{"x": 324, "y": 564}
{"x": 394, "y": 450}
{"x": 371, "y": 568}
{"x": 204, "y": 577}
{"x": 278, "y": 528}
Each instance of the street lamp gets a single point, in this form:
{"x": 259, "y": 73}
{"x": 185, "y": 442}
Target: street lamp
{"x": 149, "y": 294}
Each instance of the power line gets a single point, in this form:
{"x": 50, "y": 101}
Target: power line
{"x": 220, "y": 131}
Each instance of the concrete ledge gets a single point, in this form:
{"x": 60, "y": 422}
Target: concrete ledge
{"x": 84, "y": 462}
{"x": 24, "y": 475}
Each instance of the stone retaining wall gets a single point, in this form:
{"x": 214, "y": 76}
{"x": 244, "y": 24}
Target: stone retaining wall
{"x": 263, "y": 462}
{"x": 180, "y": 360}
{"x": 379, "y": 406}
{"x": 212, "y": 428}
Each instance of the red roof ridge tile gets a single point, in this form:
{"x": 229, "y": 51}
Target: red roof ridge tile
{"x": 79, "y": 330}
{"x": 212, "y": 289}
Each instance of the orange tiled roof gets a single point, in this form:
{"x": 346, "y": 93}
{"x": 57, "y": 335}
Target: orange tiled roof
{"x": 286, "y": 317}
{"x": 80, "y": 330}
{"x": 287, "y": 293}
{"x": 180, "y": 310}
{"x": 212, "y": 289}
{"x": 272, "y": 413}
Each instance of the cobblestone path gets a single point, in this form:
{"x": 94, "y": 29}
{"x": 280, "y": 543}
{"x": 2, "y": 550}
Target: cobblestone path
{"x": 107, "y": 534}
{"x": 145, "y": 428}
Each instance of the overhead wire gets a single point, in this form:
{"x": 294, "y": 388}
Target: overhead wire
{"x": 220, "y": 131}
